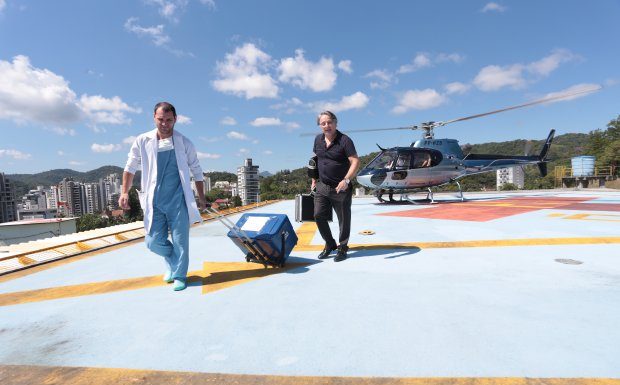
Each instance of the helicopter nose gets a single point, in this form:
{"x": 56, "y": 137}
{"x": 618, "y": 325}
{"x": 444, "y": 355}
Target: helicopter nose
{"x": 371, "y": 178}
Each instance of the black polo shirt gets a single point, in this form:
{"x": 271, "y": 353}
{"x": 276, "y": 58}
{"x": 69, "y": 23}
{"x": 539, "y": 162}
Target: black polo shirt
{"x": 333, "y": 161}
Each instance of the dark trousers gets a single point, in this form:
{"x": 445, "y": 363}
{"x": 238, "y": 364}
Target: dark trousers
{"x": 325, "y": 199}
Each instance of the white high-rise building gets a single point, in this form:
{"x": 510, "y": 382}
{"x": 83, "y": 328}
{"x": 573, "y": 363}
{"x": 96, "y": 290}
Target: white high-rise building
{"x": 93, "y": 197}
{"x": 514, "y": 175}
{"x": 248, "y": 183}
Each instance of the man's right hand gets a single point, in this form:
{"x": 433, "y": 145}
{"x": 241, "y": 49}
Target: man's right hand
{"x": 123, "y": 201}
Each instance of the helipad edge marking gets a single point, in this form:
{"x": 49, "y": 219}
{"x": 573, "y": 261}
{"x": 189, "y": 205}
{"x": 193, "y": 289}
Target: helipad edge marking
{"x": 26, "y": 375}
{"x": 214, "y": 276}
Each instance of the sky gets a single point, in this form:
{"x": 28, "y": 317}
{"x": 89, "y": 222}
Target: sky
{"x": 79, "y": 78}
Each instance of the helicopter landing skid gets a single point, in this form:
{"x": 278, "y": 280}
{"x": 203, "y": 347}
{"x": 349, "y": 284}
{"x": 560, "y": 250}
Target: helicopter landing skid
{"x": 428, "y": 200}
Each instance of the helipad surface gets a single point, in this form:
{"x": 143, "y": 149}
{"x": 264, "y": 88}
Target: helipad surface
{"x": 502, "y": 286}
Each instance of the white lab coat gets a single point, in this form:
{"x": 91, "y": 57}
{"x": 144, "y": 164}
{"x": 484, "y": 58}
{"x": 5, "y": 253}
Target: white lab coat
{"x": 143, "y": 156}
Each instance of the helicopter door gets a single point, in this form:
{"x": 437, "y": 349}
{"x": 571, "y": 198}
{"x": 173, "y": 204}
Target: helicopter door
{"x": 402, "y": 163}
{"x": 419, "y": 173}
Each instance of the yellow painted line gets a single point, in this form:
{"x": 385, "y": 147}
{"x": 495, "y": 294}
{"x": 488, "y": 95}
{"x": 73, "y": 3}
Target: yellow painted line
{"x": 595, "y": 217}
{"x": 214, "y": 276}
{"x": 305, "y": 233}
{"x": 27, "y": 375}
{"x": 588, "y": 217}
{"x": 479, "y": 243}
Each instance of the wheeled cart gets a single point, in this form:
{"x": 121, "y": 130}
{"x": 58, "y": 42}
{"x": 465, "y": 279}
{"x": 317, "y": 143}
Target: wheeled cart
{"x": 264, "y": 238}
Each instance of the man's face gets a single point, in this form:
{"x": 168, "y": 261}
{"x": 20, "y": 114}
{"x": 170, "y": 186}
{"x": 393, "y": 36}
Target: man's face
{"x": 164, "y": 121}
{"x": 327, "y": 125}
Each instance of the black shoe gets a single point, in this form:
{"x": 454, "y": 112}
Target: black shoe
{"x": 342, "y": 254}
{"x": 326, "y": 251}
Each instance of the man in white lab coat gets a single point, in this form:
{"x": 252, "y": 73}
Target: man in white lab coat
{"x": 166, "y": 159}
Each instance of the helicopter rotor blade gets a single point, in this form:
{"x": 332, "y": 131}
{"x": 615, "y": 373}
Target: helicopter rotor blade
{"x": 539, "y": 101}
{"x": 366, "y": 130}
{"x": 384, "y": 129}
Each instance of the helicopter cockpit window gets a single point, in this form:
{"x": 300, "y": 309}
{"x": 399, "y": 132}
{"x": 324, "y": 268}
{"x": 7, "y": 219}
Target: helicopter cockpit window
{"x": 422, "y": 159}
{"x": 383, "y": 161}
{"x": 402, "y": 163}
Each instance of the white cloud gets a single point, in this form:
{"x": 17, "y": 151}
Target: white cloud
{"x": 243, "y": 74}
{"x": 228, "y": 121}
{"x": 206, "y": 155}
{"x": 129, "y": 140}
{"x": 456, "y": 88}
{"x": 105, "y": 148}
{"x": 105, "y": 110}
{"x": 156, "y": 34}
{"x": 425, "y": 60}
{"x": 355, "y": 101}
{"x": 209, "y": 3}
{"x": 169, "y": 9}
{"x": 581, "y": 90}
{"x": 449, "y": 57}
{"x": 15, "y": 154}
{"x": 62, "y": 131}
{"x": 345, "y": 65}
{"x": 2, "y": 5}
{"x": 292, "y": 126}
{"x": 493, "y": 77}
{"x": 237, "y": 135}
{"x": 30, "y": 94}
{"x": 384, "y": 77}
{"x": 319, "y": 76}
{"x": 210, "y": 140}
{"x": 60, "y": 153}
{"x": 182, "y": 119}
{"x": 76, "y": 163}
{"x": 288, "y": 106}
{"x": 548, "y": 64}
{"x": 421, "y": 60}
{"x": 268, "y": 152}
{"x": 493, "y": 7}
{"x": 260, "y": 122}
{"x": 419, "y": 100}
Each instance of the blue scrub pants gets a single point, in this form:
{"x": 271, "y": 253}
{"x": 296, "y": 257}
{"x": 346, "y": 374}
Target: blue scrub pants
{"x": 176, "y": 253}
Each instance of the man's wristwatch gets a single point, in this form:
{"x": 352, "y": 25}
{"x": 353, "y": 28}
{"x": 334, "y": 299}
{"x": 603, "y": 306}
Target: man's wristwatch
{"x": 347, "y": 180}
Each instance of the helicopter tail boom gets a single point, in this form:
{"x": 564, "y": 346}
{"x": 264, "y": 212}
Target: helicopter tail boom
{"x": 542, "y": 158}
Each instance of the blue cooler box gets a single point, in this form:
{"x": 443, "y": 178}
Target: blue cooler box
{"x": 271, "y": 234}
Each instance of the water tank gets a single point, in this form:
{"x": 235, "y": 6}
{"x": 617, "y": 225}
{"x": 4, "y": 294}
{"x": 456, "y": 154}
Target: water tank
{"x": 583, "y": 165}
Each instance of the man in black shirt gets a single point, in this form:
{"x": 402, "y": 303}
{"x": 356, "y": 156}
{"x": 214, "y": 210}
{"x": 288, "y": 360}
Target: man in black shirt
{"x": 337, "y": 162}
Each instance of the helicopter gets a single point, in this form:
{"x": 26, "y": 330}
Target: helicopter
{"x": 431, "y": 162}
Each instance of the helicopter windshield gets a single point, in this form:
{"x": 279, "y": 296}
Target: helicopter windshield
{"x": 383, "y": 161}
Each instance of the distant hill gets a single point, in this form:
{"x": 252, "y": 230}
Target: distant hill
{"x": 26, "y": 182}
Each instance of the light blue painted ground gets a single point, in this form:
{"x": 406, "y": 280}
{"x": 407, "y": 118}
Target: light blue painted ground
{"x": 466, "y": 312}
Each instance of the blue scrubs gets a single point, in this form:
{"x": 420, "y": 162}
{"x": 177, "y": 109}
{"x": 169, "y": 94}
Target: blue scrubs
{"x": 170, "y": 214}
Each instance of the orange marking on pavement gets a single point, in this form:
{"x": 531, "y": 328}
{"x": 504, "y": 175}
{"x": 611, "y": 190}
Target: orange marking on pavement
{"x": 491, "y": 210}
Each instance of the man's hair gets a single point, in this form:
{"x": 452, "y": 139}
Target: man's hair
{"x": 331, "y": 115}
{"x": 166, "y": 107}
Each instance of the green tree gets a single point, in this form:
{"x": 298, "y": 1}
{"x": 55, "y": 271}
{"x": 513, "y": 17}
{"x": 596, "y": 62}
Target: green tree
{"x": 236, "y": 201}
{"x": 90, "y": 222}
{"x": 135, "y": 210}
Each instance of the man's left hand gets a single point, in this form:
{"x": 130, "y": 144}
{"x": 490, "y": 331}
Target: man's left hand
{"x": 342, "y": 186}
